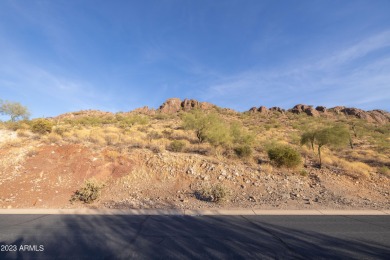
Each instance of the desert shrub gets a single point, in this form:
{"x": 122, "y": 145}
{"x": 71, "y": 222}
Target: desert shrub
{"x": 53, "y": 138}
{"x": 154, "y": 148}
{"x": 17, "y": 125}
{"x": 240, "y": 136}
{"x": 153, "y": 135}
{"x": 97, "y": 137}
{"x": 41, "y": 126}
{"x": 176, "y": 146}
{"x": 60, "y": 130}
{"x": 88, "y": 193}
{"x": 385, "y": 171}
{"x": 214, "y": 193}
{"x": 212, "y": 128}
{"x": 284, "y": 155}
{"x": 112, "y": 139}
{"x": 22, "y": 133}
{"x": 167, "y": 133}
{"x": 129, "y": 121}
{"x": 304, "y": 173}
{"x": 243, "y": 151}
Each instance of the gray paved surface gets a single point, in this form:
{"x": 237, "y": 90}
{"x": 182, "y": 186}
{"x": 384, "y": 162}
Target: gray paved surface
{"x": 196, "y": 237}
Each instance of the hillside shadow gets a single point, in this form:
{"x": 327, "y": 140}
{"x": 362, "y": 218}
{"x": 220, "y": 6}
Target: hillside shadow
{"x": 180, "y": 237}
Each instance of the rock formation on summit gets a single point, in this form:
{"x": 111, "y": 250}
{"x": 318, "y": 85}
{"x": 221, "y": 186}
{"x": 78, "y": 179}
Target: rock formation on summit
{"x": 174, "y": 105}
{"x": 170, "y": 106}
{"x": 308, "y": 110}
{"x": 378, "y": 116}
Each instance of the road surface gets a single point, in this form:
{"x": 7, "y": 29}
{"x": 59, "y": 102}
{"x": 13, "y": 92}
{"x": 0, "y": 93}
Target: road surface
{"x": 194, "y": 237}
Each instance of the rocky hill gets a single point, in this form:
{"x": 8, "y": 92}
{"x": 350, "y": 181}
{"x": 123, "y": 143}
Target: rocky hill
{"x": 150, "y": 158}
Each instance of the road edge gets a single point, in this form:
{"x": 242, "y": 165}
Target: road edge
{"x": 188, "y": 212}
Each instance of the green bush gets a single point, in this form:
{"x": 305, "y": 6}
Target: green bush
{"x": 176, "y": 146}
{"x": 243, "y": 151}
{"x": 212, "y": 128}
{"x": 41, "y": 126}
{"x": 88, "y": 193}
{"x": 284, "y": 155}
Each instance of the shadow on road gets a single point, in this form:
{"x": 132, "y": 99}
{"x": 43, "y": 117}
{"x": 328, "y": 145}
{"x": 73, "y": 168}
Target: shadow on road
{"x": 177, "y": 237}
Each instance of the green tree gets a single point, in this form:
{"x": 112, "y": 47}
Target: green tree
{"x": 201, "y": 123}
{"x": 14, "y": 109}
{"x": 335, "y": 136}
{"x": 308, "y": 138}
{"x": 212, "y": 128}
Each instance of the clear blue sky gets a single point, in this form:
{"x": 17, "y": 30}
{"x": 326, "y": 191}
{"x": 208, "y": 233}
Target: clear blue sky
{"x": 63, "y": 55}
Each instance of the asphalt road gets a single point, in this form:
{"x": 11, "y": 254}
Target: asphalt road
{"x": 194, "y": 237}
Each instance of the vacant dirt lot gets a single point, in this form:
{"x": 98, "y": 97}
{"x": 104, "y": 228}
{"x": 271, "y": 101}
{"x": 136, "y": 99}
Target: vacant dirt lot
{"x": 36, "y": 174}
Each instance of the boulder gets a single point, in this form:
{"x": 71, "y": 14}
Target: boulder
{"x": 308, "y": 110}
{"x": 189, "y": 104}
{"x": 253, "y": 110}
{"x": 277, "y": 109}
{"x": 263, "y": 110}
{"x": 171, "y": 106}
{"x": 359, "y": 113}
{"x": 298, "y": 109}
{"x": 321, "y": 109}
{"x": 337, "y": 110}
{"x": 380, "y": 116}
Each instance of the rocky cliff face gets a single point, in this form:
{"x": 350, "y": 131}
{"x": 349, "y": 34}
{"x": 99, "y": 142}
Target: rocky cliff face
{"x": 375, "y": 116}
{"x": 174, "y": 105}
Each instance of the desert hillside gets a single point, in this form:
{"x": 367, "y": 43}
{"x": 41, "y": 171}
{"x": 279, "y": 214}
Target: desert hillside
{"x": 191, "y": 154}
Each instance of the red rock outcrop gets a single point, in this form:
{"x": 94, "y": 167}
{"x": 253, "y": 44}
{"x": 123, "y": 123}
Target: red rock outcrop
{"x": 263, "y": 110}
{"x": 277, "y": 109}
{"x": 308, "y": 110}
{"x": 321, "y": 109}
{"x": 337, "y": 110}
{"x": 189, "y": 104}
{"x": 380, "y": 116}
{"x": 174, "y": 105}
{"x": 144, "y": 110}
{"x": 171, "y": 106}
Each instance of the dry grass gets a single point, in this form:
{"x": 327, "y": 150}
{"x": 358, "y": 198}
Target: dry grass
{"x": 354, "y": 169}
{"x": 23, "y": 133}
{"x": 267, "y": 168}
{"x": 112, "y": 155}
{"x": 385, "y": 171}
{"x": 53, "y": 138}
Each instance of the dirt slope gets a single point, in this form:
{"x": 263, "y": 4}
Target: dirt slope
{"x": 37, "y": 174}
